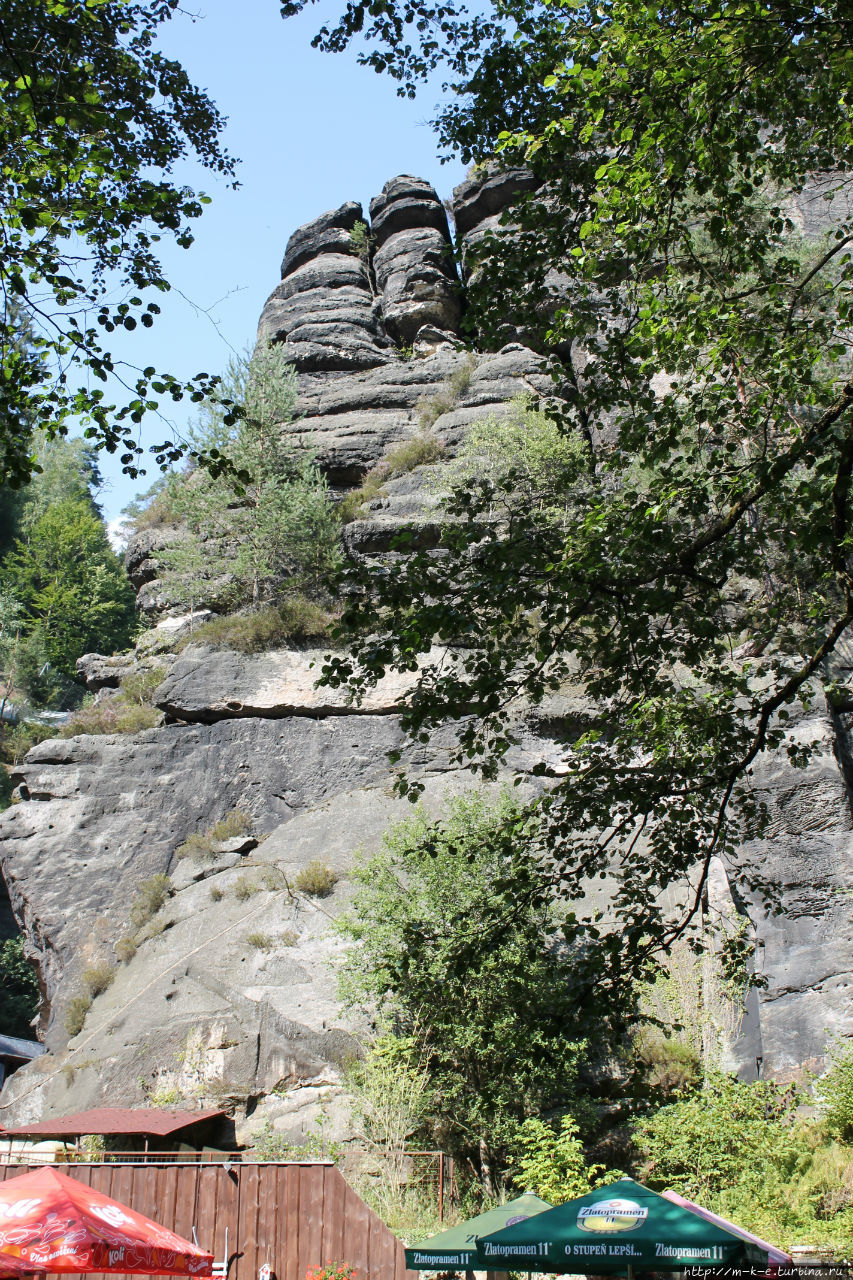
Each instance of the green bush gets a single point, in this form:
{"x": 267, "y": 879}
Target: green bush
{"x": 431, "y": 408}
{"x": 19, "y": 990}
{"x": 552, "y": 1164}
{"x": 362, "y": 240}
{"x": 269, "y": 1145}
{"x": 216, "y": 894}
{"x": 527, "y": 442}
{"x": 202, "y": 845}
{"x": 316, "y": 878}
{"x": 460, "y": 379}
{"x": 75, "y": 1014}
{"x": 16, "y": 740}
{"x": 150, "y": 898}
{"x": 97, "y": 977}
{"x": 835, "y": 1091}
{"x": 288, "y": 938}
{"x": 197, "y": 846}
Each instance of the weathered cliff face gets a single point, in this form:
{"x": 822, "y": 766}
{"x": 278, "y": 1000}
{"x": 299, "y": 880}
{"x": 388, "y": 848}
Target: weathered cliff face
{"x": 231, "y": 992}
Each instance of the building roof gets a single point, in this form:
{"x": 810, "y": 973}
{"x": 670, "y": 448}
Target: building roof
{"x": 15, "y": 1047}
{"x": 149, "y": 1121}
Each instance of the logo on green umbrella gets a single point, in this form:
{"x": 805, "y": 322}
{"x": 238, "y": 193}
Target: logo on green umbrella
{"x": 612, "y": 1215}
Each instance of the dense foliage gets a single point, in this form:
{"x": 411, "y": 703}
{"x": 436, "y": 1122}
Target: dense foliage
{"x": 19, "y": 992}
{"x": 93, "y": 120}
{"x": 746, "y": 1151}
{"x": 497, "y": 1031}
{"x": 260, "y": 531}
{"x": 63, "y": 590}
{"x": 693, "y": 579}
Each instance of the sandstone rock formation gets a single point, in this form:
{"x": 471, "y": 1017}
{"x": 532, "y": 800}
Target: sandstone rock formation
{"x": 230, "y": 994}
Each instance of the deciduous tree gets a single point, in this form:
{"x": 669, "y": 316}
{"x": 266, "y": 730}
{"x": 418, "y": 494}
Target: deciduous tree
{"x": 93, "y": 119}
{"x": 696, "y": 317}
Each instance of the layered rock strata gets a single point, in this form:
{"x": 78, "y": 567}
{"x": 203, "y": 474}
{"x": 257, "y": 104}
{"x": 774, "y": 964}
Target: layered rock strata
{"x": 230, "y": 993}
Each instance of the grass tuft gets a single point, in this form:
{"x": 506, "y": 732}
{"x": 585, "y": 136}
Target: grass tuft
{"x": 296, "y": 618}
{"x": 244, "y": 887}
{"x": 150, "y": 898}
{"x": 75, "y": 1014}
{"x": 316, "y": 878}
{"x": 418, "y": 451}
{"x": 97, "y": 977}
{"x": 261, "y": 941}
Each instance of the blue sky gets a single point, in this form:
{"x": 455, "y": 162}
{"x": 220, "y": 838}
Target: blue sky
{"x": 311, "y": 130}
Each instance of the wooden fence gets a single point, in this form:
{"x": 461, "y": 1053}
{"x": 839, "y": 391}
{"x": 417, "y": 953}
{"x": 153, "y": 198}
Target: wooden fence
{"x": 286, "y": 1216}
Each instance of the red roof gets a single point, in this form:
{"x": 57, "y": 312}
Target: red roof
{"x": 153, "y": 1121}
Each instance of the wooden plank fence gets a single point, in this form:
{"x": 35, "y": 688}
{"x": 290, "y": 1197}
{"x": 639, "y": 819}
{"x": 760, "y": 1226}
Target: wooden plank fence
{"x": 285, "y": 1216}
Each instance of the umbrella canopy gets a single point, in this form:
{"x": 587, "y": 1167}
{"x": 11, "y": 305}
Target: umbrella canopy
{"x": 12, "y": 1268}
{"x": 50, "y": 1222}
{"x": 456, "y": 1247}
{"x": 775, "y": 1256}
{"x": 620, "y": 1226}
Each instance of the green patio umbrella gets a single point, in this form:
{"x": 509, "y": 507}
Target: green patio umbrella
{"x": 454, "y": 1249}
{"x": 620, "y": 1228}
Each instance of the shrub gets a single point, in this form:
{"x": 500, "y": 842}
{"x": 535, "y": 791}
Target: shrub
{"x": 150, "y": 898}
{"x": 432, "y": 407}
{"x": 260, "y": 941}
{"x": 553, "y": 1165}
{"x": 198, "y": 846}
{"x": 361, "y": 240}
{"x": 289, "y": 938}
{"x": 111, "y": 715}
{"x": 460, "y": 379}
{"x": 235, "y": 823}
{"x": 216, "y": 894}
{"x": 97, "y": 977}
{"x": 165, "y": 1095}
{"x": 294, "y": 618}
{"x": 525, "y": 441}
{"x": 201, "y": 845}
{"x": 728, "y": 1134}
{"x": 126, "y": 948}
{"x": 16, "y": 740}
{"x": 447, "y": 397}
{"x": 316, "y": 878}
{"x": 835, "y": 1092}
{"x": 138, "y": 687}
{"x": 244, "y": 887}
{"x": 75, "y": 1014}
{"x": 398, "y": 461}
{"x": 19, "y": 990}
{"x": 269, "y": 1145}
{"x": 130, "y": 710}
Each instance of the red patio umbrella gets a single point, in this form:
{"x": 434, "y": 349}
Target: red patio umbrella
{"x": 50, "y": 1222}
{"x": 12, "y": 1268}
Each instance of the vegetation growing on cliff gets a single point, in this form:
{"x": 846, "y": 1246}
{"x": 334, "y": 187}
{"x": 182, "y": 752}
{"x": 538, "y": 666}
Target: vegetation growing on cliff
{"x": 699, "y": 578}
{"x": 497, "y": 1032}
{"x": 261, "y": 533}
{"x": 468, "y": 1047}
